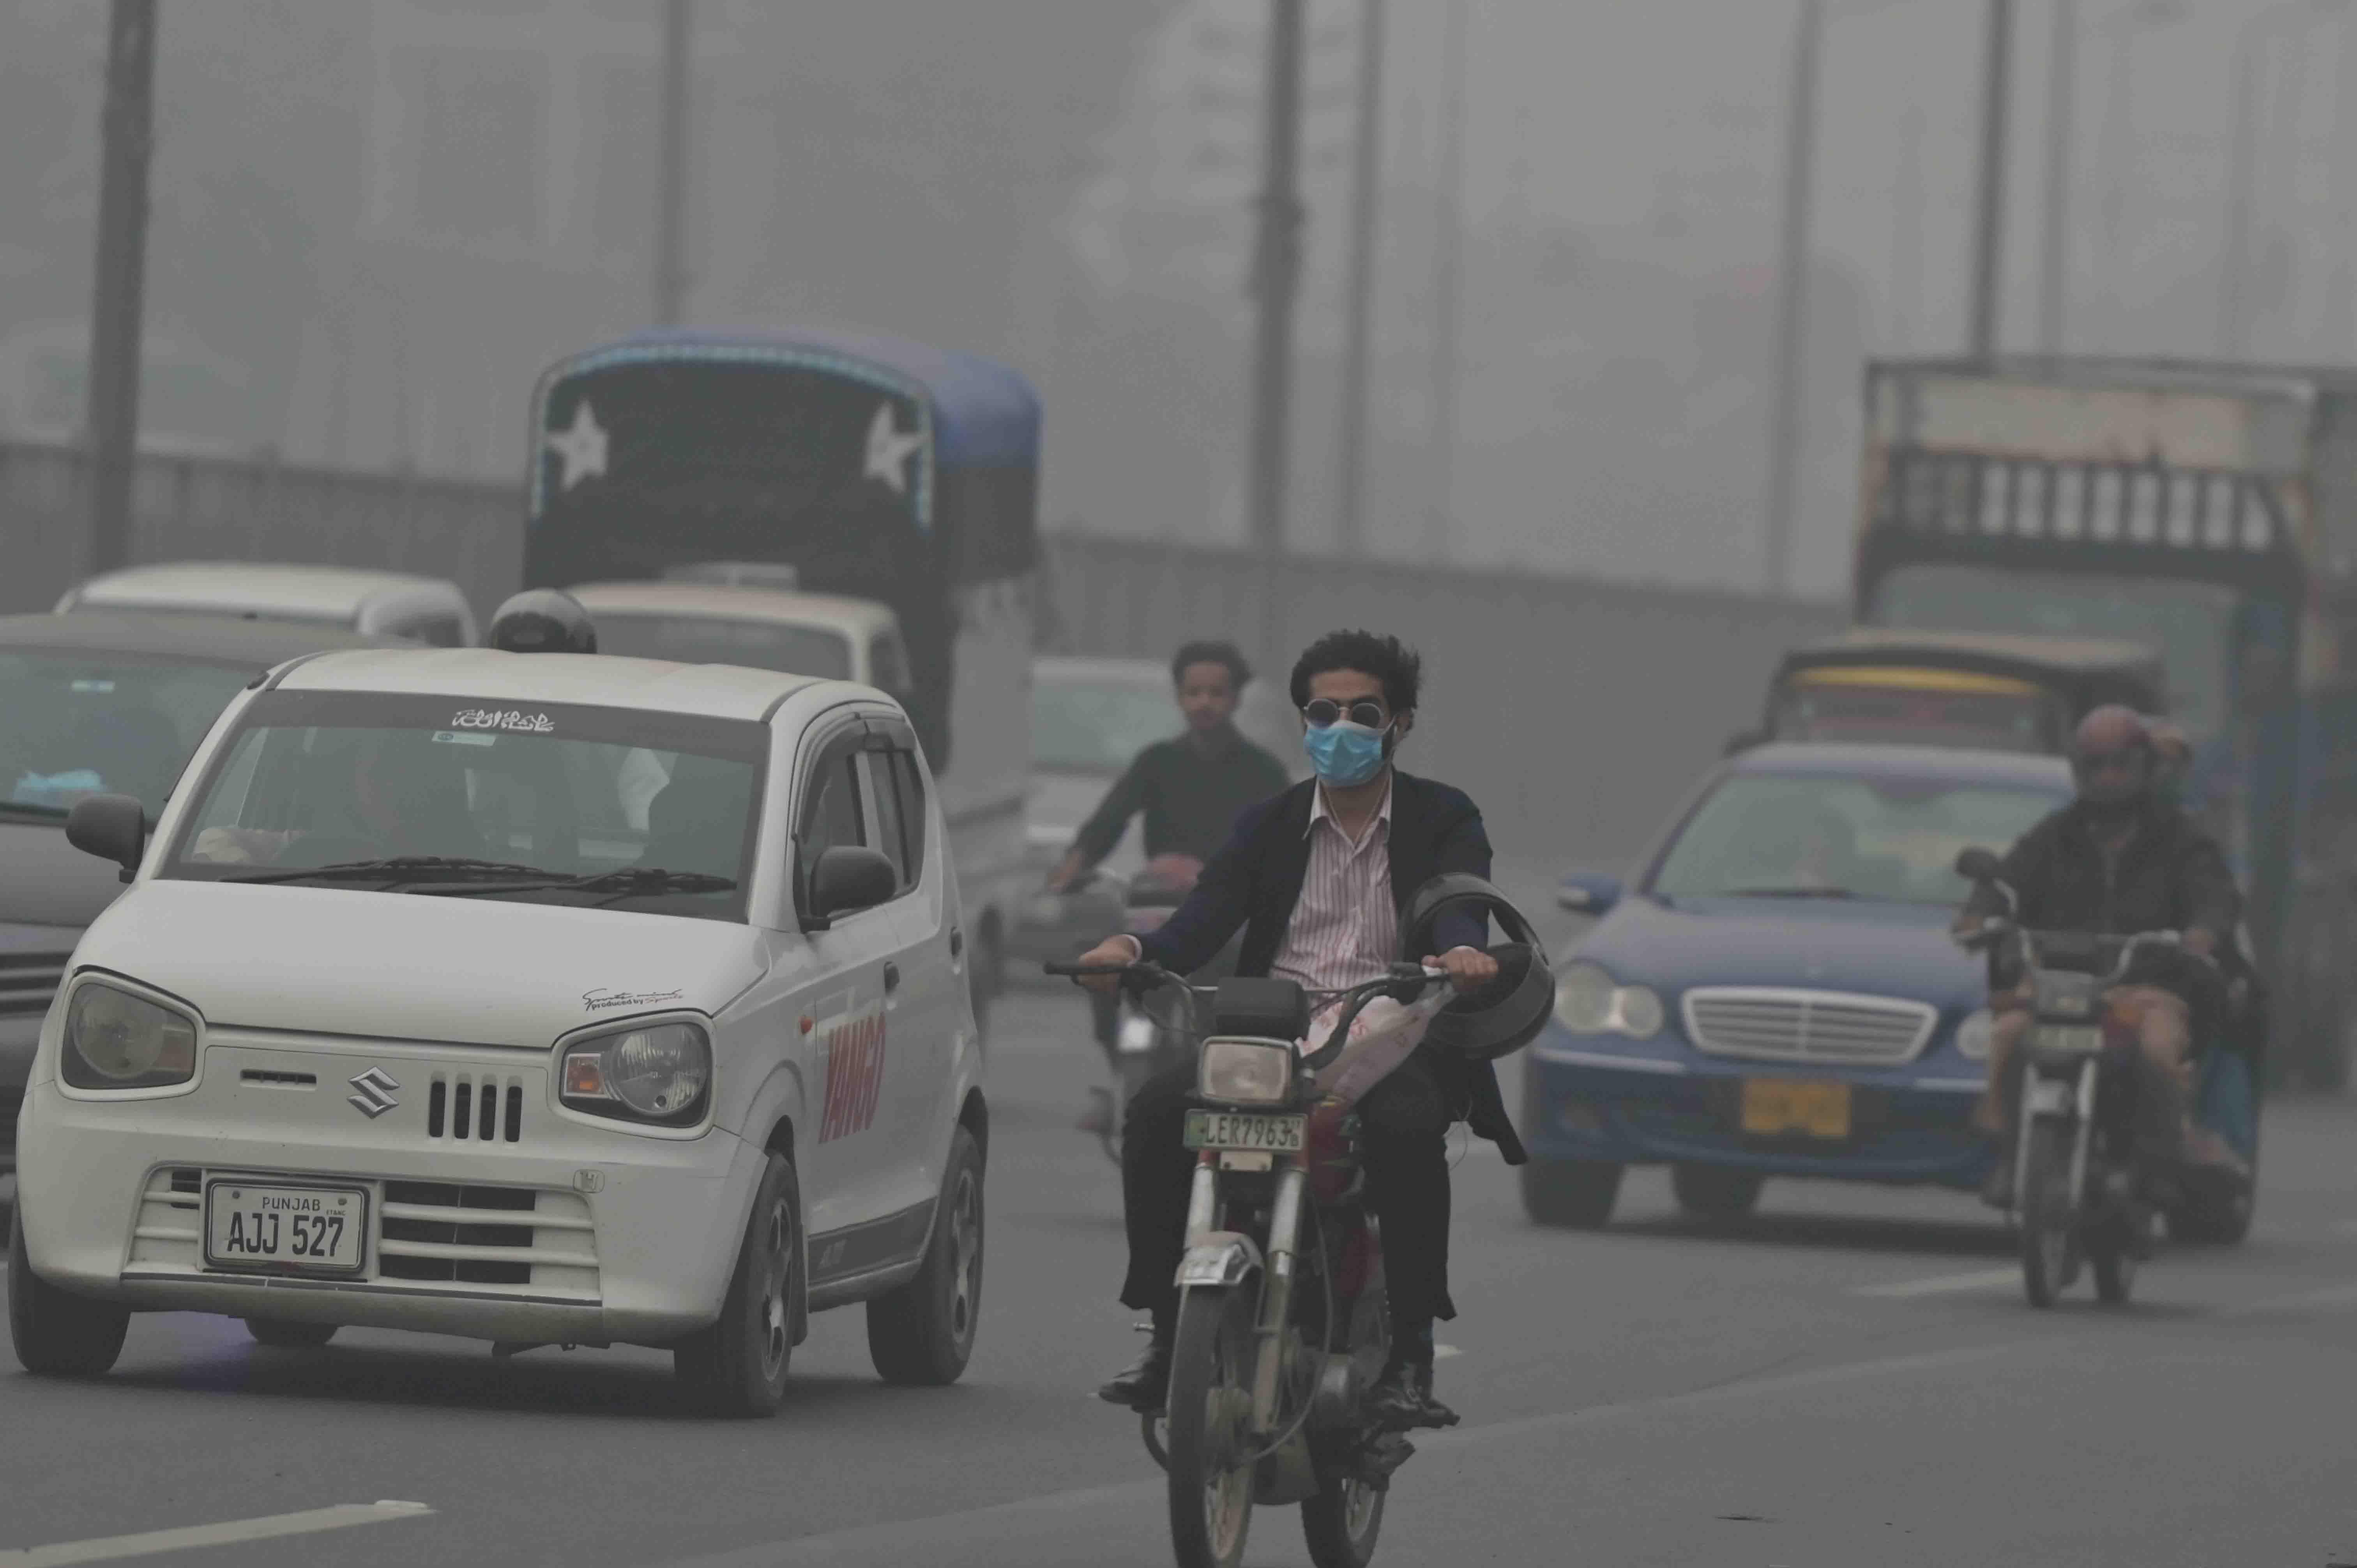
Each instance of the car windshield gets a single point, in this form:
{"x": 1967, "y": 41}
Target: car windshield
{"x": 85, "y": 723}
{"x": 2190, "y": 624}
{"x": 482, "y": 799}
{"x": 1097, "y": 725}
{"x": 1799, "y": 835}
{"x": 816, "y": 651}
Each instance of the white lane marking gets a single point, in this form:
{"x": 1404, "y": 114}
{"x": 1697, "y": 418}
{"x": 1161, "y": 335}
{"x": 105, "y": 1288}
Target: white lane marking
{"x": 910, "y": 1536}
{"x": 187, "y": 1537}
{"x": 1442, "y": 1352}
{"x": 1941, "y": 1285}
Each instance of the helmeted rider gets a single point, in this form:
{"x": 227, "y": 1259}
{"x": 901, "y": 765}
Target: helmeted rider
{"x": 1316, "y": 880}
{"x": 2117, "y": 860}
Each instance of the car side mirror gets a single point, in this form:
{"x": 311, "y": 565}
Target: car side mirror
{"x": 1977, "y": 865}
{"x": 848, "y": 878}
{"x": 111, "y": 827}
{"x": 1588, "y": 893}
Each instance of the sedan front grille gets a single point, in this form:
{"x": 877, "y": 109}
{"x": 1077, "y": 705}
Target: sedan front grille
{"x": 30, "y": 980}
{"x": 1833, "y": 1027}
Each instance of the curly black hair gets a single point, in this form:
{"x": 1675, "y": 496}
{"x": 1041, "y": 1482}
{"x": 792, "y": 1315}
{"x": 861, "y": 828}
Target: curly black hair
{"x": 1399, "y": 667}
{"x": 1225, "y": 653}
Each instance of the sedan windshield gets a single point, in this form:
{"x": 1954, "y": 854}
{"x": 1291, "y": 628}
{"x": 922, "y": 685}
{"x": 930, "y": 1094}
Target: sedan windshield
{"x": 85, "y": 723}
{"x": 816, "y": 651}
{"x": 544, "y": 803}
{"x": 1097, "y": 726}
{"x": 1798, "y": 836}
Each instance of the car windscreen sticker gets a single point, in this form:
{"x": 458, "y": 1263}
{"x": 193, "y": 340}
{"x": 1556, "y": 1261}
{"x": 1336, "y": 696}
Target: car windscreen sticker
{"x": 452, "y": 737}
{"x": 508, "y": 719}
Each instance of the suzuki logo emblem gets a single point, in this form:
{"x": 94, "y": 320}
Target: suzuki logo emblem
{"x": 375, "y": 1096}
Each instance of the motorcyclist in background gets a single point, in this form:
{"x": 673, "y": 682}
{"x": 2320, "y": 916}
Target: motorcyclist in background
{"x": 2118, "y": 860}
{"x": 1190, "y": 788}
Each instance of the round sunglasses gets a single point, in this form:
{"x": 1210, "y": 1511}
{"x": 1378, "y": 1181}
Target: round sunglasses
{"x": 1324, "y": 711}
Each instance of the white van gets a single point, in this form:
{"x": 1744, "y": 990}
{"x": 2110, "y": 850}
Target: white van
{"x": 431, "y": 610}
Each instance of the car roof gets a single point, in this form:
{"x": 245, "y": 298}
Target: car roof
{"x": 1928, "y": 764}
{"x": 261, "y": 584}
{"x": 226, "y": 640}
{"x": 594, "y": 680}
{"x": 735, "y": 602}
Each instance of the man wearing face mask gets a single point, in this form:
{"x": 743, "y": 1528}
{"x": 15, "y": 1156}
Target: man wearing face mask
{"x": 2119, "y": 859}
{"x": 1317, "y": 879}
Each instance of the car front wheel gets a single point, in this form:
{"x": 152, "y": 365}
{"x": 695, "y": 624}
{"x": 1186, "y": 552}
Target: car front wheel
{"x": 58, "y": 1335}
{"x": 1576, "y": 1195}
{"x": 737, "y": 1366}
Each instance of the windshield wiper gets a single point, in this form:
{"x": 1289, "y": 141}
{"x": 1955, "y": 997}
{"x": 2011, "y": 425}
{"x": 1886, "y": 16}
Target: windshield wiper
{"x": 1787, "y": 893}
{"x": 629, "y": 881}
{"x": 392, "y": 868}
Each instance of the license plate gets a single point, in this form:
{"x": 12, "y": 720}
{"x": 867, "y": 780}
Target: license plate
{"x": 2071, "y": 1038}
{"x": 261, "y": 1225}
{"x": 1777, "y": 1105}
{"x": 1227, "y": 1130}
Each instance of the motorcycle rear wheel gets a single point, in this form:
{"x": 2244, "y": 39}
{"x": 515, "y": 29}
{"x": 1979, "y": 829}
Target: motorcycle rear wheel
{"x": 2046, "y": 1242}
{"x": 1211, "y": 1416}
{"x": 1341, "y": 1523}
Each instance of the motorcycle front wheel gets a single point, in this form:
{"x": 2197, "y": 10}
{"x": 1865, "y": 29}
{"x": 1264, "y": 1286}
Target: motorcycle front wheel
{"x": 2046, "y": 1207}
{"x": 1211, "y": 1469}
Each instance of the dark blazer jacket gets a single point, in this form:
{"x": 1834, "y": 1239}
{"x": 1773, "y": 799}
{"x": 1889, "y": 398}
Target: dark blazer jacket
{"x": 1255, "y": 881}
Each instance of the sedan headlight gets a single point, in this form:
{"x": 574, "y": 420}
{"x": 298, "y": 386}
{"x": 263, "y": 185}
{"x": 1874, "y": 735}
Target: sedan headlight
{"x": 1974, "y": 1034}
{"x": 1245, "y": 1072}
{"x": 117, "y": 1040}
{"x": 1588, "y": 1001}
{"x": 657, "y": 1072}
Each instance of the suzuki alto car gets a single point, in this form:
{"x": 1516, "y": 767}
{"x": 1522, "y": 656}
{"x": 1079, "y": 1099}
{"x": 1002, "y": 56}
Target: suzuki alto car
{"x": 541, "y": 998}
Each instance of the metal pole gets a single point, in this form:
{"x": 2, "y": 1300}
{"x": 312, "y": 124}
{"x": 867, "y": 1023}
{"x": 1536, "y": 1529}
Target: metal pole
{"x": 2054, "y": 242}
{"x": 1988, "y": 217}
{"x": 671, "y": 174}
{"x": 1785, "y": 429}
{"x": 1366, "y": 195}
{"x": 118, "y": 301}
{"x": 1276, "y": 272}
{"x": 1449, "y": 263}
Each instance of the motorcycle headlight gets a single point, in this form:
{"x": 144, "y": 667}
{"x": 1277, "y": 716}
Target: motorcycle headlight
{"x": 1245, "y": 1072}
{"x": 659, "y": 1072}
{"x": 1588, "y": 1001}
{"x": 1974, "y": 1034}
{"x": 116, "y": 1040}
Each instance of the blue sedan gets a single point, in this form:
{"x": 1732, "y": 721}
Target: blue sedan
{"x": 1775, "y": 994}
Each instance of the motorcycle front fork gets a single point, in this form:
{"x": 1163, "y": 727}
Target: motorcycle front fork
{"x": 1276, "y": 1278}
{"x": 2055, "y": 1096}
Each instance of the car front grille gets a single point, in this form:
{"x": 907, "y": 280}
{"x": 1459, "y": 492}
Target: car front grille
{"x": 28, "y": 980}
{"x": 475, "y": 1107}
{"x": 495, "y": 1238}
{"x": 1830, "y": 1027}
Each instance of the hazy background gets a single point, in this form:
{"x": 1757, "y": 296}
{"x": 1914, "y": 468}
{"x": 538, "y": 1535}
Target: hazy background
{"x": 374, "y": 222}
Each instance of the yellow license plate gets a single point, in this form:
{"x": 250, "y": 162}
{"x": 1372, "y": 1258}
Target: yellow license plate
{"x": 1778, "y": 1105}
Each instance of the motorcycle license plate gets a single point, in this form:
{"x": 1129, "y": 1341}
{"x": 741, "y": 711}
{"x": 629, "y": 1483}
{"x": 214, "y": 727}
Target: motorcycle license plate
{"x": 1772, "y": 1106}
{"x": 1229, "y": 1130}
{"x": 315, "y": 1229}
{"x": 2071, "y": 1038}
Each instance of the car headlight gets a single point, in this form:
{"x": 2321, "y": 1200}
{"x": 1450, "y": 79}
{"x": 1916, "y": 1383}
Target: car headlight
{"x": 1974, "y": 1034}
{"x": 1588, "y": 1001}
{"x": 117, "y": 1040}
{"x": 1245, "y": 1072}
{"x": 657, "y": 1072}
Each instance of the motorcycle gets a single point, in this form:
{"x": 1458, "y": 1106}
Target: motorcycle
{"x": 2075, "y": 1195}
{"x": 1283, "y": 1328}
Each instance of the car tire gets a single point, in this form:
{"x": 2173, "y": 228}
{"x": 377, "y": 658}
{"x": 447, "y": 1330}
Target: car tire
{"x": 58, "y": 1335}
{"x": 737, "y": 1366}
{"x": 1715, "y": 1192}
{"x": 922, "y": 1334}
{"x": 284, "y": 1334}
{"x": 1574, "y": 1195}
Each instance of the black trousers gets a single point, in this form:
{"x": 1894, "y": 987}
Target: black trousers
{"x": 1404, "y": 1141}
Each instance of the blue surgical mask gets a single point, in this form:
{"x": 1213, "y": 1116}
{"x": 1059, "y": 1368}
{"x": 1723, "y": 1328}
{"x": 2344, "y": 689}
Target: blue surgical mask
{"x": 1344, "y": 754}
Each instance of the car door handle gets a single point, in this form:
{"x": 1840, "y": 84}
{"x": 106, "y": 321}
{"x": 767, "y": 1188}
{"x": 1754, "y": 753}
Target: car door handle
{"x": 957, "y": 941}
{"x": 891, "y": 977}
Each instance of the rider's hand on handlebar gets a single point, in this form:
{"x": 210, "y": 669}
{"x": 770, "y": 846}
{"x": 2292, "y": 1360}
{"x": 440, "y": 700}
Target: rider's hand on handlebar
{"x": 1466, "y": 967}
{"x": 1113, "y": 949}
{"x": 2199, "y": 943}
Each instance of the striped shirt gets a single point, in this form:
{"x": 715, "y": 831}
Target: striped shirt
{"x": 1344, "y": 930}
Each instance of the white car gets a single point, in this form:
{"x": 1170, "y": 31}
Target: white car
{"x": 389, "y": 604}
{"x": 539, "y": 998}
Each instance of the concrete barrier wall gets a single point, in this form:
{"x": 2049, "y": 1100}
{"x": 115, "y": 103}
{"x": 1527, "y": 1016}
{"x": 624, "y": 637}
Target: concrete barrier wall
{"x": 1575, "y": 712}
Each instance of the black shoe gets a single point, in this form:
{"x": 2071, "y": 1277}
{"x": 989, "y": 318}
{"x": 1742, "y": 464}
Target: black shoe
{"x": 1402, "y": 1399}
{"x": 1145, "y": 1386}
